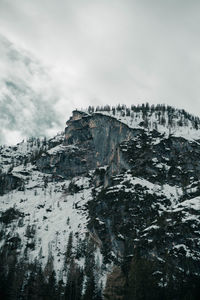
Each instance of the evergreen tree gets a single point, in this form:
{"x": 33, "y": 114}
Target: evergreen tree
{"x": 91, "y": 291}
{"x": 141, "y": 282}
{"x": 73, "y": 289}
{"x": 51, "y": 287}
{"x": 69, "y": 248}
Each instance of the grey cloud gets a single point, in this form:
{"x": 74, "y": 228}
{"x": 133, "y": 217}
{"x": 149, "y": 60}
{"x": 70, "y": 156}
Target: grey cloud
{"x": 27, "y": 96}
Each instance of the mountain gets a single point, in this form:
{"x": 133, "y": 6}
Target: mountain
{"x": 28, "y": 95}
{"x": 108, "y": 209}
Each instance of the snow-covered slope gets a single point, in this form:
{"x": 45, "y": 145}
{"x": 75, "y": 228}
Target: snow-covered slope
{"x": 49, "y": 213}
{"x": 116, "y": 196}
{"x": 165, "y": 119}
{"x": 26, "y": 151}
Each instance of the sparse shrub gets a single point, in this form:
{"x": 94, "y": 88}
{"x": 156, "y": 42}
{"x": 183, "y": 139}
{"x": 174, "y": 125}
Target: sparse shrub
{"x": 10, "y": 215}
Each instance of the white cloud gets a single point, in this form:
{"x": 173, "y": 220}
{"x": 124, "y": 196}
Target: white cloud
{"x": 28, "y": 96}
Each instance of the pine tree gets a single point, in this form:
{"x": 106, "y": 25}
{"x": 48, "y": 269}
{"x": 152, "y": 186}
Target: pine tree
{"x": 91, "y": 291}
{"x": 69, "y": 247}
{"x": 51, "y": 287}
{"x": 141, "y": 283}
{"x": 73, "y": 289}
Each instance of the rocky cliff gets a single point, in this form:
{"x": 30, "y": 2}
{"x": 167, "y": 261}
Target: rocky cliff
{"x": 109, "y": 209}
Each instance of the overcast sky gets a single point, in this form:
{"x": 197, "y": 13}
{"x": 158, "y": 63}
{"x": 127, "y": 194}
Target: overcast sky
{"x": 111, "y": 51}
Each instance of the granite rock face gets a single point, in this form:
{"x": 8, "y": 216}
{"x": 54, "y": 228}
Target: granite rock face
{"x": 9, "y": 182}
{"x": 90, "y": 142}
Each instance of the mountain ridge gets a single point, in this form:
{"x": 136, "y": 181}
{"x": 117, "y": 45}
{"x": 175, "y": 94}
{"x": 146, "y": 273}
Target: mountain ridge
{"x": 103, "y": 210}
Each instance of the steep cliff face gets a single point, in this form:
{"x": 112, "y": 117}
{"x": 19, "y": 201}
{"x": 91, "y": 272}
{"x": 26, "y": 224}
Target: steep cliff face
{"x": 90, "y": 142}
{"x": 109, "y": 209}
